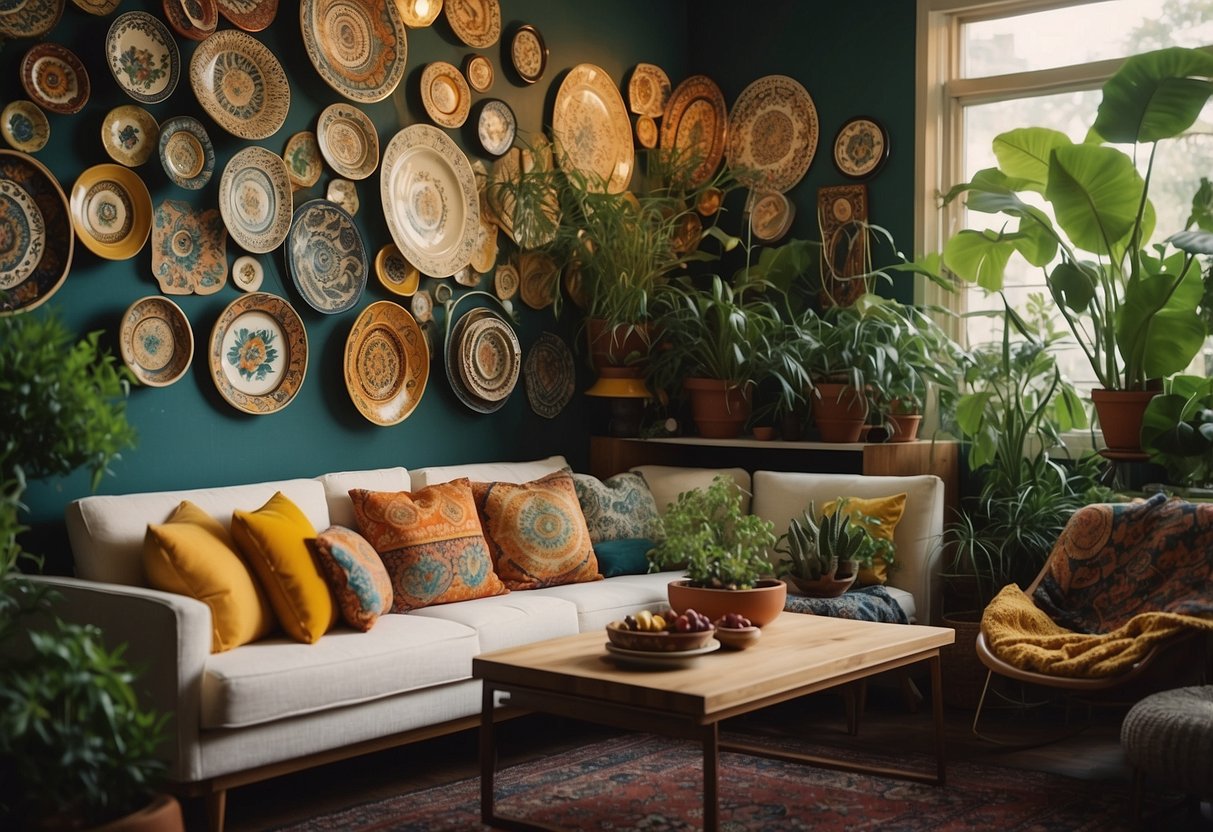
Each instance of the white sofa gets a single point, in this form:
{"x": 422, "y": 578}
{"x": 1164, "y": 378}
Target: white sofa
{"x": 277, "y": 705}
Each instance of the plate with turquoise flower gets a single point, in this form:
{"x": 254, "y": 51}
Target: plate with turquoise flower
{"x": 130, "y": 135}
{"x": 258, "y": 353}
{"x": 24, "y": 126}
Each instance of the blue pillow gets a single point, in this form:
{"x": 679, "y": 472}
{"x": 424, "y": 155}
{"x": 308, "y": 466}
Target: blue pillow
{"x": 623, "y": 557}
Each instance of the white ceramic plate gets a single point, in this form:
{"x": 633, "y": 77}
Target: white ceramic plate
{"x": 445, "y": 94}
{"x": 258, "y": 353}
{"x": 255, "y": 199}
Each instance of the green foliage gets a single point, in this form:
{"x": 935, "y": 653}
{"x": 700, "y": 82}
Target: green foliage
{"x": 815, "y": 546}
{"x": 1177, "y": 430}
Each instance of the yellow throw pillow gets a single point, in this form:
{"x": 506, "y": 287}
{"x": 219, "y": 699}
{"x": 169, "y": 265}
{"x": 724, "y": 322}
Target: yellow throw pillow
{"x": 274, "y": 540}
{"x": 888, "y": 510}
{"x": 192, "y": 554}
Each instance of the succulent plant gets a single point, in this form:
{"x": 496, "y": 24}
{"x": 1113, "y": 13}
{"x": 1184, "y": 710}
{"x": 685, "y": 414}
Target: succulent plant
{"x": 816, "y": 546}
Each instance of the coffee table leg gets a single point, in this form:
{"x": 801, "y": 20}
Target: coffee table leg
{"x": 488, "y": 753}
{"x": 711, "y": 778}
{"x": 937, "y": 709}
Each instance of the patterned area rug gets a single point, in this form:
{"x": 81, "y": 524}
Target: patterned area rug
{"x": 644, "y": 783}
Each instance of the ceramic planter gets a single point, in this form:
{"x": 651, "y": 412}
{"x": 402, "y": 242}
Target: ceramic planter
{"x": 1120, "y": 414}
{"x": 761, "y": 605}
{"x": 904, "y": 428}
{"x": 610, "y": 346}
{"x": 720, "y": 409}
{"x": 839, "y": 411}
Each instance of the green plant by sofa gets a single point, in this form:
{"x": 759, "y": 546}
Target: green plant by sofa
{"x": 832, "y": 545}
{"x": 1177, "y": 431}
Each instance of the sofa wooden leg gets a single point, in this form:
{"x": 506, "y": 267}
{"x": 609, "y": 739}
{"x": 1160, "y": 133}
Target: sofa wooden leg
{"x": 216, "y": 808}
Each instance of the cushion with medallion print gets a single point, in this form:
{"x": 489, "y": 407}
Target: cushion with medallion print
{"x": 617, "y": 508}
{"x": 356, "y": 576}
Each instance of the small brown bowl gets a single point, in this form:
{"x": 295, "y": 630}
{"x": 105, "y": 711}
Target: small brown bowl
{"x": 738, "y": 638}
{"x": 659, "y": 642}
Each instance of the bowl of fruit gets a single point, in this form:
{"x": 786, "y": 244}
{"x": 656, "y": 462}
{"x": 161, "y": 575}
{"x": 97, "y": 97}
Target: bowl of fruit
{"x": 662, "y": 632}
{"x": 735, "y": 631}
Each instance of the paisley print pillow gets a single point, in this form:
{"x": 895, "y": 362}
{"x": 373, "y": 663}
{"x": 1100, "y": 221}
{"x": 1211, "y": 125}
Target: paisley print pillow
{"x": 618, "y": 508}
{"x": 356, "y": 575}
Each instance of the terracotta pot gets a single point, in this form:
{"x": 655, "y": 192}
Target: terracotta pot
{"x": 826, "y": 586}
{"x": 1120, "y": 413}
{"x": 720, "y": 409}
{"x": 163, "y": 814}
{"x": 761, "y": 605}
{"x": 839, "y": 411}
{"x": 764, "y": 433}
{"x": 904, "y": 427}
{"x": 611, "y": 346}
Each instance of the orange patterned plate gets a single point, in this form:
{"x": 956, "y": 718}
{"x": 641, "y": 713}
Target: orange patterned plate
{"x": 387, "y": 363}
{"x": 695, "y": 125}
{"x": 359, "y": 47}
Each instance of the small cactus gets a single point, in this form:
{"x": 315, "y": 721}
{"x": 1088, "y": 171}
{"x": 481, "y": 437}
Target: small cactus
{"x": 814, "y": 547}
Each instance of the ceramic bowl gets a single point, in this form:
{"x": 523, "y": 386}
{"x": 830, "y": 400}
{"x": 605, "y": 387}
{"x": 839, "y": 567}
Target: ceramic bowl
{"x": 662, "y": 642}
{"x": 737, "y": 638}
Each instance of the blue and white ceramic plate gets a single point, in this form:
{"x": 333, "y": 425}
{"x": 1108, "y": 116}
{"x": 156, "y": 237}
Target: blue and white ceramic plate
{"x": 496, "y": 127}
{"x": 186, "y": 152}
{"x": 258, "y": 353}
{"x": 255, "y": 199}
{"x": 143, "y": 57}
{"x": 358, "y": 47}
{"x": 32, "y": 177}
{"x": 240, "y": 84}
{"x": 326, "y": 257}
{"x": 156, "y": 341}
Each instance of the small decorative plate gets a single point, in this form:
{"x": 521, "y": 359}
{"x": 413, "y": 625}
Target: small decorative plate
{"x": 655, "y": 658}
{"x": 359, "y": 47}
{"x": 100, "y": 8}
{"x": 258, "y": 353}
{"x": 709, "y": 201}
{"x": 445, "y": 94}
{"x": 528, "y": 53}
{"x": 422, "y": 305}
{"x": 455, "y": 351}
{"x": 186, "y": 153}
{"x": 538, "y": 279}
{"x": 646, "y": 132}
{"x": 255, "y": 199}
{"x": 156, "y": 341}
{"x": 491, "y": 358}
{"x": 694, "y": 125}
{"x": 24, "y": 126}
{"x": 24, "y": 234}
{"x": 193, "y": 19}
{"x": 111, "y": 211}
{"x": 31, "y": 18}
{"x": 475, "y": 22}
{"x": 861, "y": 147}
{"x": 387, "y": 363}
{"x": 343, "y": 192}
{"x": 479, "y": 72}
{"x": 303, "y": 162}
{"x": 189, "y": 249}
{"x": 143, "y": 57}
{"x": 130, "y": 135}
{"x": 485, "y": 255}
{"x": 770, "y": 216}
{"x": 549, "y": 375}
{"x": 687, "y": 233}
{"x": 326, "y": 257}
{"x": 348, "y": 141}
{"x": 505, "y": 281}
{"x": 247, "y": 273}
{"x": 772, "y": 133}
{"x": 417, "y": 14}
{"x": 54, "y": 78}
{"x": 496, "y": 127}
{"x": 24, "y": 172}
{"x": 240, "y": 84}
{"x": 648, "y": 90}
{"x": 249, "y": 15}
{"x": 397, "y": 275}
{"x": 592, "y": 133}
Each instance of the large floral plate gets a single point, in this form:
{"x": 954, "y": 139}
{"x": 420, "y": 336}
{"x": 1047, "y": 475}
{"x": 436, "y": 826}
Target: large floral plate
{"x": 240, "y": 84}
{"x": 249, "y": 15}
{"x": 111, "y": 211}
{"x": 156, "y": 341}
{"x": 348, "y": 141}
{"x": 430, "y": 200}
{"x": 592, "y": 131}
{"x": 326, "y": 257}
{"x": 143, "y": 57}
{"x": 304, "y": 163}
{"x": 29, "y": 18}
{"x": 193, "y": 19}
{"x": 549, "y": 375}
{"x": 417, "y": 14}
{"x": 258, "y": 353}
{"x": 398, "y": 276}
{"x": 490, "y": 358}
{"x": 496, "y": 127}
{"x": 695, "y": 125}
{"x": 54, "y": 78}
{"x": 445, "y": 94}
{"x": 186, "y": 153}
{"x": 24, "y": 126}
{"x": 18, "y": 170}
{"x": 23, "y": 232}
{"x": 130, "y": 135}
{"x": 475, "y": 22}
{"x": 772, "y": 133}
{"x": 189, "y": 249}
{"x": 359, "y": 47}
{"x": 255, "y": 199}
{"x": 387, "y": 363}
{"x": 648, "y": 90}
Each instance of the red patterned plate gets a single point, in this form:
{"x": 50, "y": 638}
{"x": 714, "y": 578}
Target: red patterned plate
{"x": 54, "y": 78}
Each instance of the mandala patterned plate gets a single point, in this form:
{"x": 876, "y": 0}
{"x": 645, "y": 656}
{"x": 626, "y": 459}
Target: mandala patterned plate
{"x": 528, "y": 53}
{"x": 861, "y": 147}
{"x": 505, "y": 281}
{"x": 23, "y": 232}
{"x": 240, "y": 84}
{"x": 189, "y": 249}
{"x": 156, "y": 341}
{"x": 143, "y": 57}
{"x": 496, "y": 127}
{"x": 648, "y": 90}
{"x": 193, "y": 19}
{"x": 348, "y": 141}
{"x": 247, "y": 273}
{"x": 772, "y": 133}
{"x": 304, "y": 163}
{"x": 445, "y": 94}
{"x": 24, "y": 126}
{"x": 111, "y": 211}
{"x": 54, "y": 78}
{"x": 694, "y": 125}
{"x": 478, "y": 69}
{"x": 186, "y": 153}
{"x": 255, "y": 199}
{"x": 387, "y": 363}
{"x": 591, "y": 129}
{"x": 359, "y": 47}
{"x": 417, "y": 14}
{"x": 549, "y": 375}
{"x": 249, "y": 15}
{"x": 490, "y": 358}
{"x": 453, "y": 351}
{"x": 430, "y": 200}
{"x": 29, "y": 18}
{"x": 326, "y": 257}
{"x": 475, "y": 22}
{"x": 20, "y": 171}
{"x": 130, "y": 135}
{"x": 258, "y": 353}
{"x": 97, "y": 7}
{"x": 397, "y": 275}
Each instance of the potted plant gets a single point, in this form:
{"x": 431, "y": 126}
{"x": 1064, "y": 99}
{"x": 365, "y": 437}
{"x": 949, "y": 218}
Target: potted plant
{"x": 1177, "y": 432}
{"x": 849, "y": 354}
{"x": 823, "y": 555}
{"x": 724, "y": 551}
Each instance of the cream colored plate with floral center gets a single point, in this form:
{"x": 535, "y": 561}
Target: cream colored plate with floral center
{"x": 240, "y": 84}
{"x": 592, "y": 132}
{"x": 255, "y": 199}
{"x": 156, "y": 341}
{"x": 772, "y": 133}
{"x": 258, "y": 353}
{"x": 445, "y": 94}
{"x": 348, "y": 141}
{"x": 475, "y": 22}
{"x": 186, "y": 152}
{"x": 479, "y": 72}
{"x": 143, "y": 57}
{"x": 387, "y": 363}
{"x": 247, "y": 273}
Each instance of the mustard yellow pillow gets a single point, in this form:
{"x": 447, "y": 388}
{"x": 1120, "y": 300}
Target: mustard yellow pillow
{"x": 888, "y": 510}
{"x": 274, "y": 540}
{"x": 192, "y": 554}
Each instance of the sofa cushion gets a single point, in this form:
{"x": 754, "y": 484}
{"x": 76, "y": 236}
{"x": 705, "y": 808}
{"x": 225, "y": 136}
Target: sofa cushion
{"x": 888, "y": 511}
{"x": 629, "y": 556}
{"x": 509, "y": 620}
{"x": 355, "y": 574}
{"x": 489, "y": 471}
{"x": 337, "y": 487}
{"x": 617, "y": 508}
{"x": 602, "y": 602}
{"x": 668, "y": 481}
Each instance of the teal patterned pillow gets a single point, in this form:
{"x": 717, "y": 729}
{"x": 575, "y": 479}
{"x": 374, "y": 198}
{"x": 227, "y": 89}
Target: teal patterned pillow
{"x": 356, "y": 576}
{"x": 620, "y": 508}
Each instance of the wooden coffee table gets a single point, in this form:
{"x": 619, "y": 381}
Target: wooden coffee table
{"x": 797, "y": 655}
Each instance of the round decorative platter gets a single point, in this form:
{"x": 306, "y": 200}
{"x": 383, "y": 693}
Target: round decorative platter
{"x": 344, "y": 193}
{"x": 249, "y": 15}
{"x": 258, "y": 353}
{"x": 496, "y": 126}
{"x": 528, "y": 53}
{"x": 491, "y": 358}
{"x": 23, "y": 231}
{"x": 303, "y": 160}
{"x": 592, "y": 133}
{"x": 130, "y": 135}
{"x": 19, "y": 171}
{"x": 770, "y": 216}
{"x": 29, "y": 19}
{"x": 156, "y": 341}
{"x": 445, "y": 94}
{"x": 247, "y": 273}
{"x": 647, "y": 133}
{"x": 538, "y": 279}
{"x": 648, "y": 90}
{"x": 387, "y": 363}
{"x": 186, "y": 153}
{"x": 255, "y": 199}
{"x": 193, "y": 19}
{"x": 417, "y": 14}
{"x": 189, "y": 249}
{"x": 505, "y": 281}
{"x": 695, "y": 124}
{"x": 111, "y": 211}
{"x": 326, "y": 257}
{"x": 358, "y": 47}
{"x": 348, "y": 141}
{"x": 396, "y": 274}
{"x": 861, "y": 147}
{"x": 475, "y": 22}
{"x": 143, "y": 57}
{"x": 479, "y": 72}
{"x": 24, "y": 126}
{"x": 54, "y": 78}
{"x": 772, "y": 133}
{"x": 240, "y": 84}
{"x": 658, "y": 659}
{"x": 549, "y": 375}
{"x": 455, "y": 349}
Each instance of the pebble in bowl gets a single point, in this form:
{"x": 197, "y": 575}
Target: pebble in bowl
{"x": 735, "y": 632}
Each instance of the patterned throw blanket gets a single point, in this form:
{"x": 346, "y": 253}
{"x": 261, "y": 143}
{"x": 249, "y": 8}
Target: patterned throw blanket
{"x": 869, "y": 603}
{"x": 1121, "y": 579}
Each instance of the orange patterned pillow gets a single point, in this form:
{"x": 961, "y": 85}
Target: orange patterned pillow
{"x": 536, "y": 532}
{"x": 431, "y": 543}
{"x": 356, "y": 576}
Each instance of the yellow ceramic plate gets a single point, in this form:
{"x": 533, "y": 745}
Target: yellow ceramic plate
{"x": 111, "y": 211}
{"x": 396, "y": 274}
{"x": 258, "y": 353}
{"x": 130, "y": 135}
{"x": 387, "y": 363}
{"x": 156, "y": 341}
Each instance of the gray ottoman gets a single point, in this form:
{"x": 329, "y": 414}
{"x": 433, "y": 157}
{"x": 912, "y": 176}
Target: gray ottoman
{"x": 1168, "y": 737}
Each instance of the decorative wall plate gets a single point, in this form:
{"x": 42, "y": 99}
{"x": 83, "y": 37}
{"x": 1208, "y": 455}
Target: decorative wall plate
{"x": 240, "y": 84}
{"x": 143, "y": 57}
{"x": 454, "y": 351}
{"x": 54, "y": 78}
{"x": 709, "y": 201}
{"x": 97, "y": 7}
{"x": 485, "y": 254}
{"x": 496, "y": 126}
{"x": 24, "y": 234}
{"x": 694, "y": 125}
{"x": 528, "y": 53}
{"x": 247, "y": 273}
{"x": 303, "y": 161}
{"x": 193, "y": 19}
{"x": 387, "y": 363}
{"x": 24, "y": 126}
{"x": 491, "y": 358}
{"x": 538, "y": 279}
{"x": 359, "y": 47}
{"x": 422, "y": 306}
{"x": 549, "y": 375}
{"x": 249, "y": 15}
{"x": 505, "y": 281}
{"x": 24, "y": 172}
{"x": 397, "y": 275}
{"x": 186, "y": 153}
{"x": 417, "y": 14}
{"x": 772, "y": 133}
{"x": 130, "y": 135}
{"x": 326, "y": 257}
{"x": 255, "y": 199}
{"x": 647, "y": 134}
{"x": 29, "y": 19}
{"x": 528, "y": 232}
{"x": 189, "y": 249}
{"x": 592, "y": 133}
{"x": 348, "y": 141}
{"x": 156, "y": 341}
{"x": 770, "y": 215}
{"x": 648, "y": 90}
{"x": 479, "y": 72}
{"x": 111, "y": 211}
{"x": 445, "y": 94}
{"x": 475, "y": 22}
{"x": 861, "y": 147}
{"x": 258, "y": 353}
{"x": 344, "y": 193}
{"x": 429, "y": 199}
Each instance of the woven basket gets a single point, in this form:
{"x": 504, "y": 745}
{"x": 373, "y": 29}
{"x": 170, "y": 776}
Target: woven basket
{"x": 963, "y": 673}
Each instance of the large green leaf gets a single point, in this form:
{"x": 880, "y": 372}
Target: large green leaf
{"x": 1095, "y": 192}
{"x": 1193, "y": 242}
{"x": 1072, "y": 285}
{"x": 979, "y": 257}
{"x": 1158, "y": 329}
{"x": 1023, "y": 154}
{"x": 1155, "y": 95}
{"x": 1036, "y": 241}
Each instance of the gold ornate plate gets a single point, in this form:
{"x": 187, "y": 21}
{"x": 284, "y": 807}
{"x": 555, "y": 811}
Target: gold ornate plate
{"x": 189, "y": 249}
{"x": 19, "y": 171}
{"x": 23, "y": 231}
{"x": 31, "y": 18}
{"x": 24, "y": 126}
{"x": 770, "y": 216}
{"x": 54, "y": 78}
{"x": 255, "y": 199}
{"x": 538, "y": 279}
{"x": 130, "y": 135}
{"x": 247, "y": 273}
{"x": 549, "y": 375}
{"x": 186, "y": 153}
{"x": 445, "y": 94}
{"x": 111, "y": 211}
{"x": 647, "y": 133}
{"x": 193, "y": 19}
{"x": 358, "y": 47}
{"x": 861, "y": 147}
{"x": 417, "y": 14}
{"x": 496, "y": 127}
{"x": 249, "y": 15}
{"x": 143, "y": 57}
{"x": 592, "y": 132}
{"x": 156, "y": 341}
{"x": 326, "y": 257}
{"x": 479, "y": 72}
{"x": 387, "y": 363}
{"x": 772, "y": 133}
{"x": 694, "y": 125}
{"x": 348, "y": 141}
{"x": 648, "y": 90}
{"x": 240, "y": 84}
{"x": 528, "y": 53}
{"x": 475, "y": 22}
{"x": 303, "y": 161}
{"x": 396, "y": 274}
{"x": 258, "y": 353}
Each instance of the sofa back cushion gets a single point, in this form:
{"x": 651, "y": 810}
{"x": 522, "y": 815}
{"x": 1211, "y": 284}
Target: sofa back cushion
{"x": 668, "y": 481}
{"x": 516, "y": 472}
{"x": 337, "y": 487}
